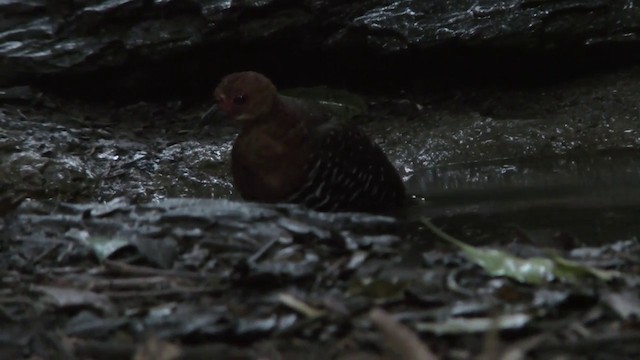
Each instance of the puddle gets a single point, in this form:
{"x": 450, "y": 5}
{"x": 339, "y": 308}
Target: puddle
{"x": 593, "y": 199}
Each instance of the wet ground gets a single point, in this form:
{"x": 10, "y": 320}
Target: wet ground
{"x": 551, "y": 167}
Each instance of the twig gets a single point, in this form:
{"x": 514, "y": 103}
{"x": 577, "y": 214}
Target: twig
{"x": 161, "y": 292}
{"x": 100, "y": 284}
{"x": 400, "y": 338}
{"x": 128, "y": 269}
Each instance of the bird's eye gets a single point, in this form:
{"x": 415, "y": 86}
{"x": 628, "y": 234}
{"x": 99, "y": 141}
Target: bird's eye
{"x": 239, "y": 100}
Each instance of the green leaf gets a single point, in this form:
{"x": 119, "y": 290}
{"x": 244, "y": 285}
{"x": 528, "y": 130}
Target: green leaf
{"x": 572, "y": 267}
{"x": 535, "y": 270}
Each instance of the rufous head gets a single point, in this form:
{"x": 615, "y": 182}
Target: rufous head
{"x": 245, "y": 96}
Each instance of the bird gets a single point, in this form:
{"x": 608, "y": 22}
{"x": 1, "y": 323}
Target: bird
{"x": 291, "y": 150}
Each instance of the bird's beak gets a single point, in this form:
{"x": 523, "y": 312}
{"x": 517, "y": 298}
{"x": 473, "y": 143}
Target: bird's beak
{"x": 210, "y": 113}
{"x": 208, "y": 116}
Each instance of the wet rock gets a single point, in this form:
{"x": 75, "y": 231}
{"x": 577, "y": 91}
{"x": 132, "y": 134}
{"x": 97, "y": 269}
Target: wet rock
{"x": 58, "y": 149}
{"x": 82, "y": 37}
{"x": 40, "y": 175}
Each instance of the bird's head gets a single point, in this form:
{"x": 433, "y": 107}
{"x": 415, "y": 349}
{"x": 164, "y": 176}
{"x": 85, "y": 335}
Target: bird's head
{"x": 244, "y": 96}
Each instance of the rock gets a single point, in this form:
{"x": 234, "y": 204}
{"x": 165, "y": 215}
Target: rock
{"x": 138, "y": 43}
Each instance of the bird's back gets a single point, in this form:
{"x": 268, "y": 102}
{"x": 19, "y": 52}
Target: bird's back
{"x": 347, "y": 172}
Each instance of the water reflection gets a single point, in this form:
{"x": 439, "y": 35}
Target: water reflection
{"x": 596, "y": 198}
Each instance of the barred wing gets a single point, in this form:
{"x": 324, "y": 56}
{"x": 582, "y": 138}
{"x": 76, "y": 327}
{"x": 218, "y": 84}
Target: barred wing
{"x": 348, "y": 172}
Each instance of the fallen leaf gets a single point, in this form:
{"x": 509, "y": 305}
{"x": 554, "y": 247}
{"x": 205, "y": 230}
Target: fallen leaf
{"x": 474, "y": 325}
{"x": 534, "y": 270}
{"x": 70, "y": 297}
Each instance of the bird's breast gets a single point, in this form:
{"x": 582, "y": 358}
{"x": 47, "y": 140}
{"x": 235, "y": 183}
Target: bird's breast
{"x": 267, "y": 169}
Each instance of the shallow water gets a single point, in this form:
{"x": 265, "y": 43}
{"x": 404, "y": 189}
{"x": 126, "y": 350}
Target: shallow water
{"x": 594, "y": 199}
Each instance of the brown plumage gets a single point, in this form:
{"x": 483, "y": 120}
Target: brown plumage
{"x": 293, "y": 151}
